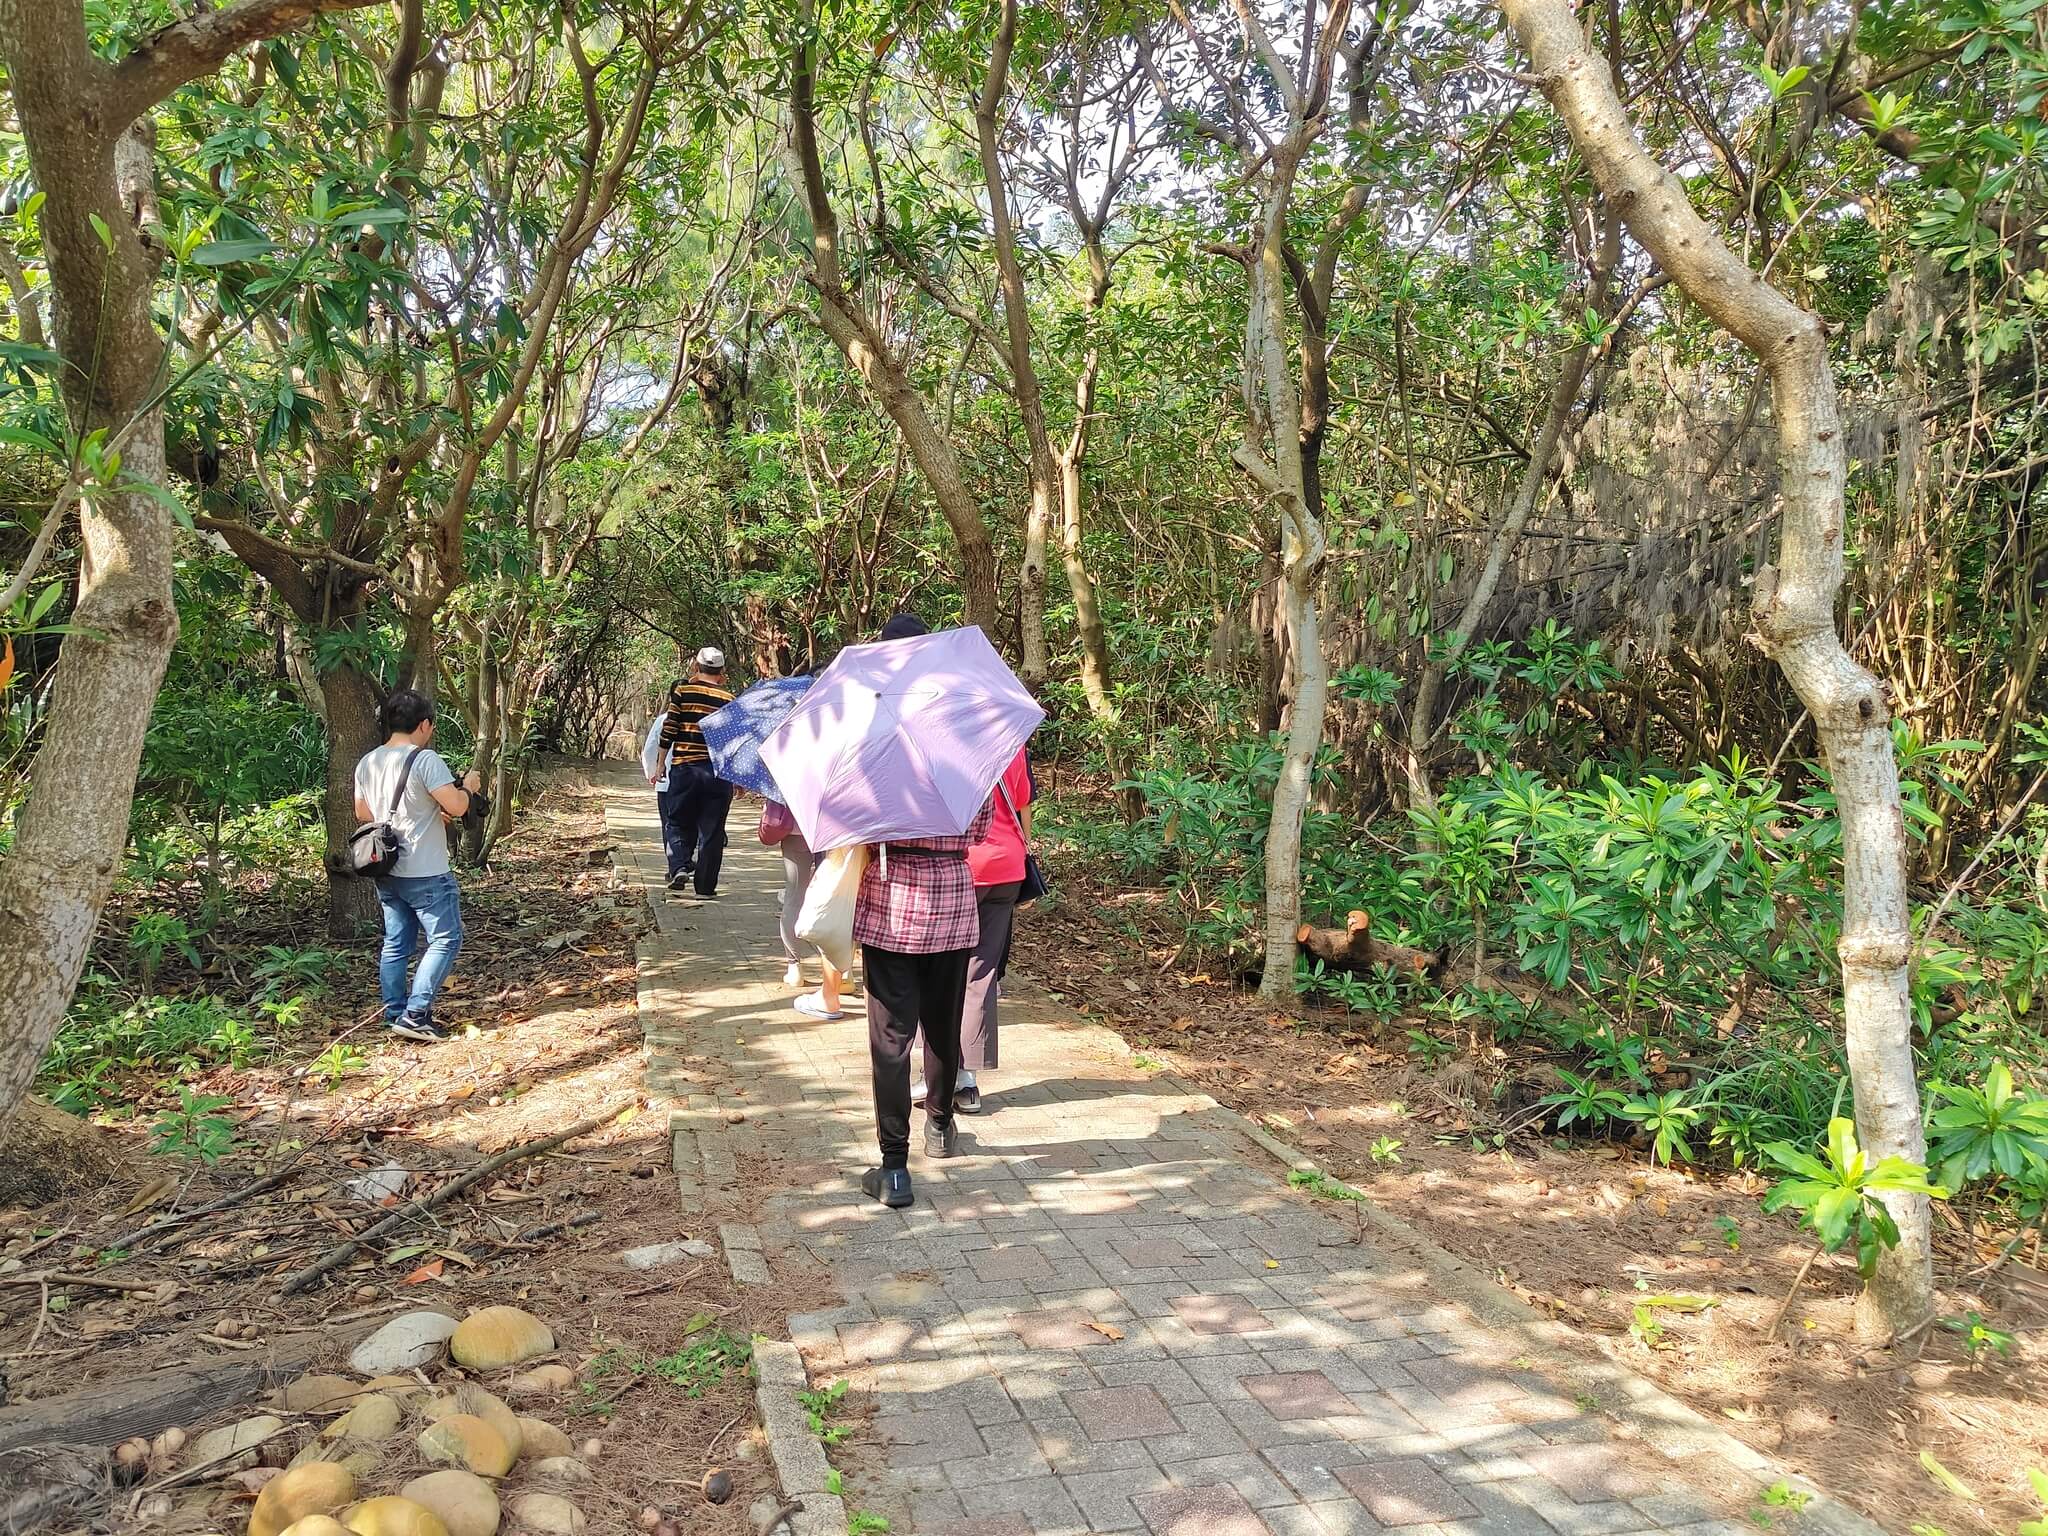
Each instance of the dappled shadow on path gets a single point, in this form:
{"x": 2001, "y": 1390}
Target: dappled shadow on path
{"x": 1110, "y": 1312}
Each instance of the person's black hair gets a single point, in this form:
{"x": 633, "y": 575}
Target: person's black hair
{"x": 903, "y": 626}
{"x": 404, "y": 712}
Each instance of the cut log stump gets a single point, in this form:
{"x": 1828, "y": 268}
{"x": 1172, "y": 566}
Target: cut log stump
{"x": 1353, "y": 948}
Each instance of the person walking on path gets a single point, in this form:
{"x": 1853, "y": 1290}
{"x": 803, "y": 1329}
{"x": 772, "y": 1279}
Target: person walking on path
{"x": 916, "y": 923}
{"x": 779, "y": 831}
{"x": 693, "y": 800}
{"x": 406, "y": 784}
{"x": 997, "y": 864}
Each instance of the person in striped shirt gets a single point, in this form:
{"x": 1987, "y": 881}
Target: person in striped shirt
{"x": 693, "y": 799}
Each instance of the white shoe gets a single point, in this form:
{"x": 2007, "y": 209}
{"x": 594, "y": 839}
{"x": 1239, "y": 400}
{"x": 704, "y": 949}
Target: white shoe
{"x": 811, "y": 1005}
{"x": 917, "y": 1092}
{"x": 794, "y": 976}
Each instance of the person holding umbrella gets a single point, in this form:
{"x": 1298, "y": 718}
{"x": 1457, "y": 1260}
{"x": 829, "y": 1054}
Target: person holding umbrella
{"x": 897, "y": 748}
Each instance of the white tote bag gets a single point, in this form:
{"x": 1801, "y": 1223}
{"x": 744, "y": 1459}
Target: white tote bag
{"x": 827, "y": 918}
{"x": 650, "y": 750}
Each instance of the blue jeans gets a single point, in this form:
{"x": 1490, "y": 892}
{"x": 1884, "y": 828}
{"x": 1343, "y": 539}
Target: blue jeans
{"x": 416, "y": 907}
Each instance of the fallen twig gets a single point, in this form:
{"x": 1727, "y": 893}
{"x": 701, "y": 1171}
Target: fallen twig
{"x": 129, "y": 1241}
{"x": 556, "y": 1228}
{"x": 793, "y": 1507}
{"x": 340, "y": 1253}
{"x": 1786, "y": 1305}
{"x": 95, "y": 1282}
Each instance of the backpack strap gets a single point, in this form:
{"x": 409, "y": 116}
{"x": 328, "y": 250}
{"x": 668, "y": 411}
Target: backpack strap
{"x": 404, "y": 776}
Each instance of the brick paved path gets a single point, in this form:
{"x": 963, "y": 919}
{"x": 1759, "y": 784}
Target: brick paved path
{"x": 1111, "y": 1313}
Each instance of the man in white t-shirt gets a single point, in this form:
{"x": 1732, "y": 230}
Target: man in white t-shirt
{"x": 405, "y": 783}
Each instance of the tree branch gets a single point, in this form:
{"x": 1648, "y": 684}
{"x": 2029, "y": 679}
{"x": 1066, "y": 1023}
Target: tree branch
{"x": 183, "y": 52}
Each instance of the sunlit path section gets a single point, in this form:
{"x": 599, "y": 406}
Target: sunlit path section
{"x": 1111, "y": 1313}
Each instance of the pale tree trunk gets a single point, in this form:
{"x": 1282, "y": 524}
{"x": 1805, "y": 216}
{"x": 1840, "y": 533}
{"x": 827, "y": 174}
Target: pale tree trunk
{"x": 1073, "y": 490}
{"x": 861, "y": 341}
{"x": 1793, "y": 611}
{"x": 1274, "y": 417}
{"x": 94, "y": 162}
{"x": 1302, "y": 548}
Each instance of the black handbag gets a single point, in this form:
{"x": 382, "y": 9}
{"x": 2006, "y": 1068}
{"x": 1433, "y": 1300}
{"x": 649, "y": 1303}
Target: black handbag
{"x": 375, "y": 847}
{"x": 1033, "y": 884}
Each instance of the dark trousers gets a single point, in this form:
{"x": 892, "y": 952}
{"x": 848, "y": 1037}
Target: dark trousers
{"x": 986, "y": 963}
{"x": 906, "y": 992}
{"x": 694, "y": 802}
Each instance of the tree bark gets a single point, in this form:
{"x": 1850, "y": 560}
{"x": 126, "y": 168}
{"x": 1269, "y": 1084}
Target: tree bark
{"x": 1302, "y": 548}
{"x": 1793, "y": 611}
{"x": 95, "y": 165}
{"x": 351, "y": 732}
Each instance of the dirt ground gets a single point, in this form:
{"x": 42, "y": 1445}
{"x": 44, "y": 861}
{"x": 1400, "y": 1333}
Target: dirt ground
{"x": 1585, "y": 1230}
{"x": 544, "y": 1002}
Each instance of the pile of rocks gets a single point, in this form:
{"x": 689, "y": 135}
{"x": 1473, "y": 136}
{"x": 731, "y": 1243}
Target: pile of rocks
{"x": 395, "y": 1453}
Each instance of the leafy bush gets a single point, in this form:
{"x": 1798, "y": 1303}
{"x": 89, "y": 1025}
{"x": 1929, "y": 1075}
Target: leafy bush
{"x": 1837, "y": 1194}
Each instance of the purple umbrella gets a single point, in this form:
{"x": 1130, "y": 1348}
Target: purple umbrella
{"x": 900, "y": 739}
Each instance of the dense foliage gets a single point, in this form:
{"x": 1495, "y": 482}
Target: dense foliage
{"x": 503, "y": 361}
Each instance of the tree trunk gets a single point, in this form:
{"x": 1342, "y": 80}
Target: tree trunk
{"x": 1302, "y": 549}
{"x": 1794, "y": 611}
{"x": 74, "y": 824}
{"x": 351, "y": 732}
{"x": 84, "y": 122}
{"x": 863, "y": 344}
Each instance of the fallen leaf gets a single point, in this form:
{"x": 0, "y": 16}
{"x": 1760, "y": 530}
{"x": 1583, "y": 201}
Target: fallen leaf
{"x": 1108, "y": 1330}
{"x": 426, "y": 1272}
{"x": 461, "y": 1091}
{"x": 1272, "y": 1263}
{"x": 150, "y": 1194}
{"x": 1946, "y": 1478}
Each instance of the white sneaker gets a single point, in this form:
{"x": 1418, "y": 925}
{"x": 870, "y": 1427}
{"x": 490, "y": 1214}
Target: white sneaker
{"x": 811, "y": 1005}
{"x": 794, "y": 976}
{"x": 917, "y": 1091}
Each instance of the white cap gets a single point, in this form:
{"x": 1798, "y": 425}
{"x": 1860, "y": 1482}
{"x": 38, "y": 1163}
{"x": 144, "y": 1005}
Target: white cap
{"x": 711, "y": 659}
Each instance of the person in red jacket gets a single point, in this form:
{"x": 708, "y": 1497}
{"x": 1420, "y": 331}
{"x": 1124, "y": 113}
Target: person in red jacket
{"x": 997, "y": 863}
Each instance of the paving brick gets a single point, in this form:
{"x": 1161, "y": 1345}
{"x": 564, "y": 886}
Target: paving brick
{"x": 868, "y": 1343}
{"x": 1298, "y": 1395}
{"x": 1212, "y": 1511}
{"x": 930, "y": 1439}
{"x": 1589, "y": 1474}
{"x": 1122, "y": 1413}
{"x": 1152, "y": 1252}
{"x": 1003, "y": 1525}
{"x": 1220, "y": 1314}
{"x": 1104, "y": 1498}
{"x": 1258, "y": 1484}
{"x": 1405, "y": 1491}
{"x": 1459, "y": 1383}
{"x": 1010, "y": 1264}
{"x": 1060, "y": 1330}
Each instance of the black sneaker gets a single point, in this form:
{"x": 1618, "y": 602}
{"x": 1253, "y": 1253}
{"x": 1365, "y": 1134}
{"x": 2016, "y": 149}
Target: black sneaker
{"x": 419, "y": 1026}
{"x": 938, "y": 1143}
{"x": 967, "y": 1100}
{"x": 891, "y": 1186}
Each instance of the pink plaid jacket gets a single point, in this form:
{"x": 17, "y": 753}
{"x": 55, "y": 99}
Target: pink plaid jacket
{"x": 924, "y": 904}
